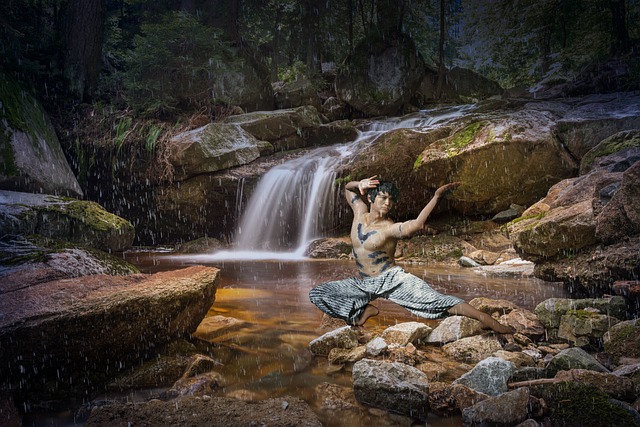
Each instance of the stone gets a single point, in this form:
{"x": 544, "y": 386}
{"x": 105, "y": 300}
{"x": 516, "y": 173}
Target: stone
{"x": 333, "y": 397}
{"x": 519, "y": 359}
{"x": 73, "y": 328}
{"x": 213, "y": 327}
{"x": 618, "y": 387}
{"x": 32, "y": 158}
{"x": 276, "y": 412}
{"x": 405, "y": 333}
{"x": 623, "y": 339}
{"x": 493, "y": 306}
{"x": 583, "y": 327}
{"x": 466, "y": 261}
{"x": 343, "y": 337}
{"x": 524, "y": 321}
{"x": 489, "y": 376}
{"x": 211, "y": 148}
{"x": 507, "y": 409}
{"x": 394, "y": 387}
{"x": 71, "y": 220}
{"x": 284, "y": 129}
{"x": 484, "y": 257}
{"x": 472, "y": 349}
{"x": 376, "y": 346}
{"x": 33, "y": 259}
{"x": 453, "y": 328}
{"x": 339, "y": 356}
{"x": 573, "y": 358}
{"x": 550, "y": 311}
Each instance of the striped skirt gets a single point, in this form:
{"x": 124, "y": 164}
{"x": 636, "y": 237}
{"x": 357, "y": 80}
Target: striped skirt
{"x": 346, "y": 299}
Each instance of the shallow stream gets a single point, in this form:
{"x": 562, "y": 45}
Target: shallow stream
{"x": 268, "y": 357}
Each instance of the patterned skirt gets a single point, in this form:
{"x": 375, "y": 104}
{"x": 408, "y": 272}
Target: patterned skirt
{"x": 346, "y": 299}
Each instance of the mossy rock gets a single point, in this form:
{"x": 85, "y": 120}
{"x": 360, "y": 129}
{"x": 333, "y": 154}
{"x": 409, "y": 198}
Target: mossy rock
{"x": 623, "y": 339}
{"x": 77, "y": 221}
{"x": 70, "y": 259}
{"x": 580, "y": 405}
{"x": 611, "y": 145}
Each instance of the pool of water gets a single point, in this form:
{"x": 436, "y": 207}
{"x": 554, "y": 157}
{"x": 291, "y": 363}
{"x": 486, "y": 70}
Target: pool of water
{"x": 268, "y": 357}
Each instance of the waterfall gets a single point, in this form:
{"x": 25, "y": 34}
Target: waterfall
{"x": 288, "y": 207}
{"x": 293, "y": 203}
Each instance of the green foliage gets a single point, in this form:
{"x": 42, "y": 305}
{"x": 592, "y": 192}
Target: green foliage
{"x": 172, "y": 65}
{"x": 122, "y": 129}
{"x": 519, "y": 43}
{"x": 151, "y": 141}
{"x": 291, "y": 73}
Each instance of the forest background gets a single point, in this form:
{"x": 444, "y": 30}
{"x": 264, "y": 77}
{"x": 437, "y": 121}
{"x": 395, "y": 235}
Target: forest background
{"x": 145, "y": 66}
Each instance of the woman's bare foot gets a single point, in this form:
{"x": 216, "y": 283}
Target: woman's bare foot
{"x": 369, "y": 311}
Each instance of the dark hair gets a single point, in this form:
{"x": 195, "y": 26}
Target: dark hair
{"x": 385, "y": 187}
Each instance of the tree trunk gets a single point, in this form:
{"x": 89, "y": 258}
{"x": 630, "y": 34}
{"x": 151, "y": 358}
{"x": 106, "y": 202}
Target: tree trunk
{"x": 311, "y": 35}
{"x": 441, "y": 68}
{"x": 389, "y": 17}
{"x": 620, "y": 31}
{"x": 83, "y": 36}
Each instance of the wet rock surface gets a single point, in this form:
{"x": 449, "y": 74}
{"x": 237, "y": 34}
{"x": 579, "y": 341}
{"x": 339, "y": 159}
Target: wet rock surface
{"x": 207, "y": 411}
{"x": 131, "y": 314}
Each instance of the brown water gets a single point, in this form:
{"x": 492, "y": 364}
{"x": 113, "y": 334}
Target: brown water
{"x": 269, "y": 356}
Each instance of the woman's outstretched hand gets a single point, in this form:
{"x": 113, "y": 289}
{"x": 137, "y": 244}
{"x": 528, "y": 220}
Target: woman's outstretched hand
{"x": 368, "y": 183}
{"x": 442, "y": 191}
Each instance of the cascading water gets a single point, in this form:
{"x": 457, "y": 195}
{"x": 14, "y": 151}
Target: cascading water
{"x": 293, "y": 203}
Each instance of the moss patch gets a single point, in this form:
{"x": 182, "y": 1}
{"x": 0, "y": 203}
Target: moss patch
{"x": 573, "y": 404}
{"x": 90, "y": 214}
{"x": 613, "y": 144}
{"x": 463, "y": 137}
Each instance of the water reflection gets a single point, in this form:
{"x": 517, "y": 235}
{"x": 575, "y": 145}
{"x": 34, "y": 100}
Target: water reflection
{"x": 268, "y": 356}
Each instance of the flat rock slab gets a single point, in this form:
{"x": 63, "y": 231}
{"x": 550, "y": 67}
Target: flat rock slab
{"x": 205, "y": 412}
{"x": 94, "y": 326}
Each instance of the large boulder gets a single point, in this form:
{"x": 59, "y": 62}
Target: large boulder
{"x": 293, "y": 128}
{"x": 296, "y": 93}
{"x": 595, "y": 118}
{"x": 61, "y": 218}
{"x": 502, "y": 158}
{"x": 586, "y": 231}
{"x": 211, "y": 148}
{"x": 381, "y": 75}
{"x": 74, "y": 334}
{"x": 32, "y": 159}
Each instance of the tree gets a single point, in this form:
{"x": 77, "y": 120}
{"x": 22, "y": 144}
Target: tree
{"x": 83, "y": 36}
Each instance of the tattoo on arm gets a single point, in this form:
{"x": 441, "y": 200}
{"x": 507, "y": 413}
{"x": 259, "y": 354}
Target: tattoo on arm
{"x": 354, "y": 198}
